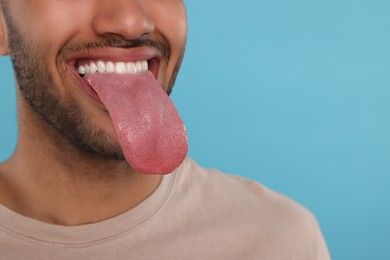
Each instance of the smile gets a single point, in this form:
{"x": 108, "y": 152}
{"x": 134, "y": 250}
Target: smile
{"x": 112, "y": 67}
{"x": 116, "y": 60}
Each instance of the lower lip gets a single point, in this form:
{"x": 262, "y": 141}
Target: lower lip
{"x": 85, "y": 86}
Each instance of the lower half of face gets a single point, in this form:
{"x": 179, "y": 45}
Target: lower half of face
{"x": 53, "y": 91}
{"x": 69, "y": 112}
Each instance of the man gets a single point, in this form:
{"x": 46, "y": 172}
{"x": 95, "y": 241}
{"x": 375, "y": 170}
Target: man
{"x": 99, "y": 171}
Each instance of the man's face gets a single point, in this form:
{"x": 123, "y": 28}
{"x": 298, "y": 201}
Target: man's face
{"x": 48, "y": 39}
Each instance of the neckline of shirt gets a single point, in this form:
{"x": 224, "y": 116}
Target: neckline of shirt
{"x": 27, "y": 228}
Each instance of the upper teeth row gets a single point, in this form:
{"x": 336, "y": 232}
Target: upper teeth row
{"x": 113, "y": 67}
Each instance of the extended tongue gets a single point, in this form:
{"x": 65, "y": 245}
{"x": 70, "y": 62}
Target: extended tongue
{"x": 149, "y": 129}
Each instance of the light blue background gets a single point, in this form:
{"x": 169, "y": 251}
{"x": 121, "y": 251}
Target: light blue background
{"x": 293, "y": 94}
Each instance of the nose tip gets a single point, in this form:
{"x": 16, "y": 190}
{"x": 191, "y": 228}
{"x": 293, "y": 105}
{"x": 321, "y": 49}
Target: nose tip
{"x": 127, "y": 19}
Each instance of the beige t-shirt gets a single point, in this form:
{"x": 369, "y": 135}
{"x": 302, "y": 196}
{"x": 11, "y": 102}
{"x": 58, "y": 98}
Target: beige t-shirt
{"x": 195, "y": 213}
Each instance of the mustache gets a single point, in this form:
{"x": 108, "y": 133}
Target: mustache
{"x": 162, "y": 47}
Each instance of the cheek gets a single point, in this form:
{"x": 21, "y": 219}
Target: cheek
{"x": 171, "y": 23}
{"x": 170, "y": 20}
{"x": 51, "y": 23}
{"x": 48, "y": 25}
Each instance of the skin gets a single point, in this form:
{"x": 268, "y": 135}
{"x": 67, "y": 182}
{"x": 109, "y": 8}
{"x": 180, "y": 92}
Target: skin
{"x": 68, "y": 168}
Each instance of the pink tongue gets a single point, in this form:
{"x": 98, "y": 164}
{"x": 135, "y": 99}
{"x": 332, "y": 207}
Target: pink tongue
{"x": 150, "y": 131}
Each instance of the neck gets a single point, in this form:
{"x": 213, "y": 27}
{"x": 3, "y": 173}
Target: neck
{"x": 49, "y": 180}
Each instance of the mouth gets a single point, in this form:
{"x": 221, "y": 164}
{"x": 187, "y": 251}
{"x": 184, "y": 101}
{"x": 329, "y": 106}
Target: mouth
{"x": 114, "y": 61}
{"x": 84, "y": 67}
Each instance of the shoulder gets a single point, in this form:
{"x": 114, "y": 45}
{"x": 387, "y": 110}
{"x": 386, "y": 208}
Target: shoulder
{"x": 251, "y": 211}
{"x": 238, "y": 192}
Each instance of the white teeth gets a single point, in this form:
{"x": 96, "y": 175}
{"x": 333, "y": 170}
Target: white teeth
{"x": 101, "y": 66}
{"x": 81, "y": 70}
{"x": 87, "y": 69}
{"x": 110, "y": 68}
{"x": 138, "y": 67}
{"x": 144, "y": 65}
{"x": 93, "y": 67}
{"x": 120, "y": 68}
{"x": 113, "y": 67}
{"x": 131, "y": 67}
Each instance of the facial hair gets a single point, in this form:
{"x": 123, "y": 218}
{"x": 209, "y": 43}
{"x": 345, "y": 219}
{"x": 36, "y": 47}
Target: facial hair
{"x": 63, "y": 113}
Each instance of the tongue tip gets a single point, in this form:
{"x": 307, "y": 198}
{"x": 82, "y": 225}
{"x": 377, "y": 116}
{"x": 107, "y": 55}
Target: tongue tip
{"x": 165, "y": 164}
{"x": 162, "y": 169}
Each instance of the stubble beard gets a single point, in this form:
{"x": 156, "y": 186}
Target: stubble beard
{"x": 63, "y": 114}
